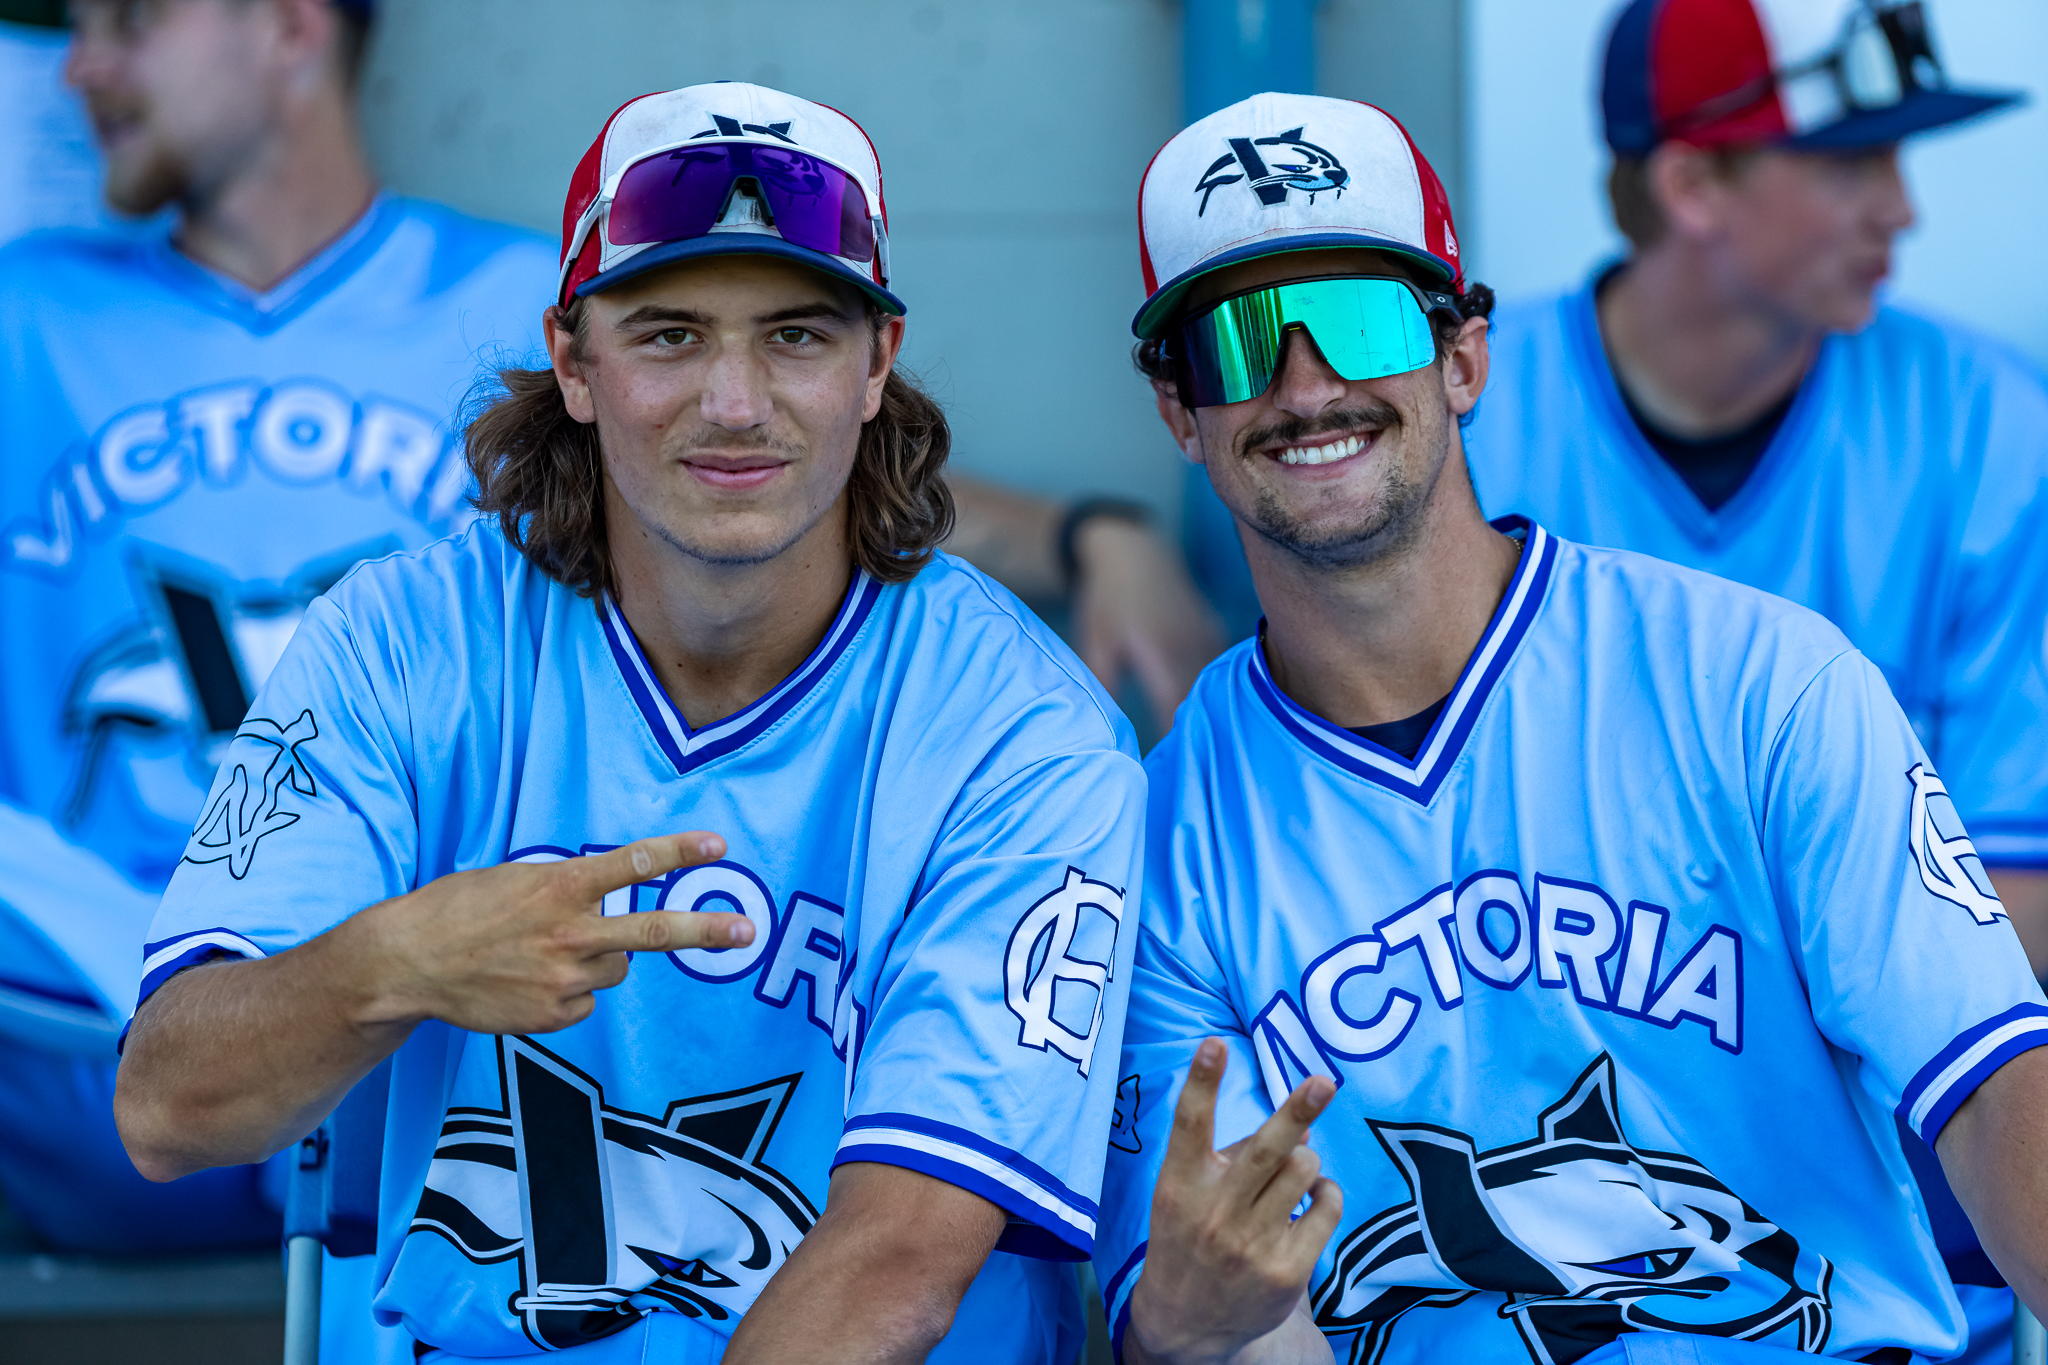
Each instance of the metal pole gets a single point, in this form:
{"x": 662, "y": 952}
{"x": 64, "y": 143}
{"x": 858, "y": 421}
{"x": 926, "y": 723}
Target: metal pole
{"x": 2029, "y": 1342}
{"x": 302, "y": 1301}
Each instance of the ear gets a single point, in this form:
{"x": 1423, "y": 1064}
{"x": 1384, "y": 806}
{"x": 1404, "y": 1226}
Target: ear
{"x": 569, "y": 371}
{"x": 1465, "y": 368}
{"x": 307, "y": 31}
{"x": 1687, "y": 188}
{"x": 881, "y": 360}
{"x": 1180, "y": 421}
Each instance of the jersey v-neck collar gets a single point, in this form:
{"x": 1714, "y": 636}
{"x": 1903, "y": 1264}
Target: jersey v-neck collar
{"x": 1418, "y": 778}
{"x": 691, "y": 749}
{"x": 1705, "y": 528}
{"x": 266, "y": 312}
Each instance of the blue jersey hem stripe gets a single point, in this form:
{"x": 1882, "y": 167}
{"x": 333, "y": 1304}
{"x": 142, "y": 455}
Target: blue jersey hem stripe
{"x": 962, "y": 1137}
{"x": 1941, "y": 1086}
{"x": 688, "y": 749}
{"x": 1127, "y": 1271}
{"x": 1080, "y": 1238}
{"x": 1418, "y": 779}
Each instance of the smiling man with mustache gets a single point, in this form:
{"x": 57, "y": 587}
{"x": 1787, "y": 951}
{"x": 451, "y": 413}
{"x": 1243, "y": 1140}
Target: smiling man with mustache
{"x": 1602, "y": 916}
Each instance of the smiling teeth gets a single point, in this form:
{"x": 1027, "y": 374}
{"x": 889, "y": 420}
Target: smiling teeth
{"x": 1335, "y": 450}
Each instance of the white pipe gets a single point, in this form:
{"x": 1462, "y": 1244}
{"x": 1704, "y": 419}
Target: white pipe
{"x": 302, "y": 1301}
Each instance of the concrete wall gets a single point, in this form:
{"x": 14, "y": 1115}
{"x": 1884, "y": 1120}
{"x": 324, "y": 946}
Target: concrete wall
{"x": 1538, "y": 217}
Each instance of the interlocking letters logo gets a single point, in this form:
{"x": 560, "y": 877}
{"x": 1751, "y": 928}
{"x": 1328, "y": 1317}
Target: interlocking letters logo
{"x": 240, "y": 817}
{"x": 1287, "y": 163}
{"x": 1041, "y": 958}
{"x": 1939, "y": 856}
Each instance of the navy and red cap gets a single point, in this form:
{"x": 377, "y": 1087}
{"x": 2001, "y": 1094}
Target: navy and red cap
{"x": 1813, "y": 75}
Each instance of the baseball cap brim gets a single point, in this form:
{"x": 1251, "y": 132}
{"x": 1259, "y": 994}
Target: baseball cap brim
{"x": 1160, "y": 312}
{"x": 738, "y": 244}
{"x": 1919, "y": 112}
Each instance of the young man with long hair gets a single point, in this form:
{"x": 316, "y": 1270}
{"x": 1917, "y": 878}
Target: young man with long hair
{"x": 787, "y": 1080}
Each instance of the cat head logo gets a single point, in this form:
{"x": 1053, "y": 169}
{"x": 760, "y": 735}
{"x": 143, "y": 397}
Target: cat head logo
{"x": 1585, "y": 1234}
{"x": 1272, "y": 167}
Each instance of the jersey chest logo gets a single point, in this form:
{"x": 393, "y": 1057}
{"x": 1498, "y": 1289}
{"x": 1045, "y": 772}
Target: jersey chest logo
{"x": 1588, "y": 1236}
{"x": 600, "y": 1206}
{"x": 1940, "y": 857}
{"x": 1041, "y": 960}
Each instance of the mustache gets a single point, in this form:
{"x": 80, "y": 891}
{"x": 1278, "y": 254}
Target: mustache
{"x": 1371, "y": 412}
{"x": 722, "y": 440}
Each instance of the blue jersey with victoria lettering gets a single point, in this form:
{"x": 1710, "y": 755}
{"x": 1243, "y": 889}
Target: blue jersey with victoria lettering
{"x": 1900, "y": 499}
{"x": 932, "y": 822}
{"x": 1621, "y": 979}
{"x": 189, "y": 464}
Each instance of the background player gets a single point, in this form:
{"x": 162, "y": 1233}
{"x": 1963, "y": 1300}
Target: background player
{"x": 1731, "y": 396}
{"x": 1609, "y": 908}
{"x": 205, "y": 425}
{"x": 720, "y": 608}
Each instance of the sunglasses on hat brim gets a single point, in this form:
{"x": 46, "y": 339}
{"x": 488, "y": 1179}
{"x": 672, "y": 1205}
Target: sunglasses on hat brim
{"x": 1366, "y": 326}
{"x": 677, "y": 193}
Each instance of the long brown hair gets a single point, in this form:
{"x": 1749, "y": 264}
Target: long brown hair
{"x": 540, "y": 472}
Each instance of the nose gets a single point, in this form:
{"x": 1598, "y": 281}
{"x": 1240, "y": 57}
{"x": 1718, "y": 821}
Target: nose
{"x": 1305, "y": 384}
{"x": 1892, "y": 205}
{"x": 736, "y": 390}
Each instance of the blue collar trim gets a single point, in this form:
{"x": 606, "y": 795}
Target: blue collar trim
{"x": 262, "y": 314}
{"x": 691, "y": 749}
{"x": 1418, "y": 778}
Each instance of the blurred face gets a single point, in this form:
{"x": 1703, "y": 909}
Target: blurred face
{"x": 1806, "y": 235}
{"x": 179, "y": 91}
{"x": 1336, "y": 473}
{"x": 729, "y": 395}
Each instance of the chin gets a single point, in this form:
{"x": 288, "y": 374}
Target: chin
{"x": 140, "y": 185}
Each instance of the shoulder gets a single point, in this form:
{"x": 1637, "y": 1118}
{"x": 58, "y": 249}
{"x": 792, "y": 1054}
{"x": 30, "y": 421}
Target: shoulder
{"x": 463, "y": 247}
{"x": 1516, "y": 320}
{"x": 57, "y": 263}
{"x": 976, "y": 648}
{"x": 448, "y": 598}
{"x": 1904, "y": 344}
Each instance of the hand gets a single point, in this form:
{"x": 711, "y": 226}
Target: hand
{"x": 519, "y": 948}
{"x": 1226, "y": 1266}
{"x": 1136, "y": 610}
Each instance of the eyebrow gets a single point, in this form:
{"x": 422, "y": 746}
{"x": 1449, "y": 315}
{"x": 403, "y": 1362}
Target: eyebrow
{"x": 648, "y": 313}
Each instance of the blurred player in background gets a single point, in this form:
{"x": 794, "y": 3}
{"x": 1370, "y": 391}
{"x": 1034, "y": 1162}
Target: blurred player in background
{"x": 1732, "y": 397}
{"x": 1605, "y": 911}
{"x": 204, "y": 427}
{"x": 719, "y": 608}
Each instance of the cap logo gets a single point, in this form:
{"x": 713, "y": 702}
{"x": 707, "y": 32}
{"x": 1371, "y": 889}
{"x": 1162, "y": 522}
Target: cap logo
{"x": 1294, "y": 165}
{"x": 732, "y": 127}
{"x": 1450, "y": 241}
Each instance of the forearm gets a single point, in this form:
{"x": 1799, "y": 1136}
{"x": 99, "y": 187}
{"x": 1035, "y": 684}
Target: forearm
{"x": 1294, "y": 1342}
{"x": 2024, "y": 893}
{"x": 1995, "y": 1153}
{"x": 877, "y": 1279}
{"x": 230, "y": 1062}
{"x": 1009, "y": 536}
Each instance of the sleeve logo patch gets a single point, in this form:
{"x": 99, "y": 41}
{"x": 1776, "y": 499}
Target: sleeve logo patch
{"x": 1052, "y": 978}
{"x": 238, "y": 818}
{"x": 1941, "y": 857}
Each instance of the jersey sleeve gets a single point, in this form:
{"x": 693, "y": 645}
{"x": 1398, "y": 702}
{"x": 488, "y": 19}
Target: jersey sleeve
{"x": 1992, "y": 716}
{"x": 1910, "y": 962}
{"x": 1179, "y": 997}
{"x": 310, "y": 817}
{"x": 984, "y": 1053}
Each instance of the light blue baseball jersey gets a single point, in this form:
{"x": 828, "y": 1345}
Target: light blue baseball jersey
{"x": 1621, "y": 979}
{"x": 932, "y": 821}
{"x": 189, "y": 464}
{"x": 1900, "y": 499}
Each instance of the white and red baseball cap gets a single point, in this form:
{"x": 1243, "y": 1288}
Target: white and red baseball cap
{"x": 1280, "y": 173}
{"x": 1807, "y": 74}
{"x": 726, "y": 168}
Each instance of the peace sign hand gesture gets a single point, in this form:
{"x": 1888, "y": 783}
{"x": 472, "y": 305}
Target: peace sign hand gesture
{"x": 1227, "y": 1267}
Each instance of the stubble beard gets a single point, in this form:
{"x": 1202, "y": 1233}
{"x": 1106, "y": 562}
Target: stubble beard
{"x": 1391, "y": 524}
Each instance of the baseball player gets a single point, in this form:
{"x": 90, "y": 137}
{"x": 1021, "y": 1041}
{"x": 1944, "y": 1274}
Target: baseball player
{"x": 1732, "y": 397}
{"x": 866, "y": 1031}
{"x": 1600, "y": 913}
{"x": 206, "y": 423}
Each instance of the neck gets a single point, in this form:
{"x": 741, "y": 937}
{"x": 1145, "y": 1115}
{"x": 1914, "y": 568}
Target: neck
{"x": 1695, "y": 355}
{"x": 720, "y": 636}
{"x": 301, "y": 188}
{"x": 1381, "y": 641}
